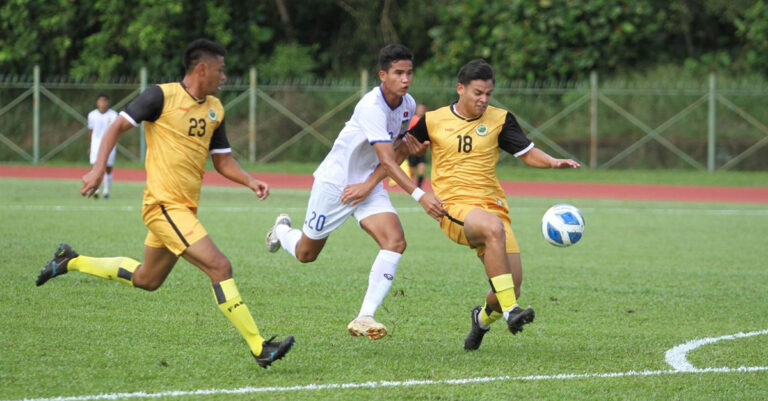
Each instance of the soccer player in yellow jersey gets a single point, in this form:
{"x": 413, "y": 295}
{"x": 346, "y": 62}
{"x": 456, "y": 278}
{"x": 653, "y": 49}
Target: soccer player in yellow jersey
{"x": 465, "y": 139}
{"x": 184, "y": 123}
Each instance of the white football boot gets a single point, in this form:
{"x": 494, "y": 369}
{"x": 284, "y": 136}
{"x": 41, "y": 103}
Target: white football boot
{"x": 365, "y": 326}
{"x": 273, "y": 244}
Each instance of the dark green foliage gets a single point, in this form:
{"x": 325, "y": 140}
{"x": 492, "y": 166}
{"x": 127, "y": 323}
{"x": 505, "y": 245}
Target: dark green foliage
{"x": 752, "y": 28}
{"x": 542, "y": 40}
{"x": 562, "y": 40}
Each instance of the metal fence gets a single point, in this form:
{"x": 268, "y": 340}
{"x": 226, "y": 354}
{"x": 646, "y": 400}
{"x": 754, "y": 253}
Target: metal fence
{"x": 699, "y": 125}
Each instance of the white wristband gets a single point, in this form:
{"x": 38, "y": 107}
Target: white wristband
{"x": 417, "y": 193}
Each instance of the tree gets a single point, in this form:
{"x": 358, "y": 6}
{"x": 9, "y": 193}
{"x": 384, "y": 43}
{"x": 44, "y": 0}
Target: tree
{"x": 752, "y": 28}
{"x": 40, "y": 32}
{"x": 565, "y": 40}
{"x": 523, "y": 39}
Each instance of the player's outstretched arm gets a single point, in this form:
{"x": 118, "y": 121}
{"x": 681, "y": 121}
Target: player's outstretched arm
{"x": 227, "y": 166}
{"x": 540, "y": 159}
{"x": 92, "y": 179}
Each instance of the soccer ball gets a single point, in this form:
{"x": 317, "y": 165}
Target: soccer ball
{"x": 562, "y": 225}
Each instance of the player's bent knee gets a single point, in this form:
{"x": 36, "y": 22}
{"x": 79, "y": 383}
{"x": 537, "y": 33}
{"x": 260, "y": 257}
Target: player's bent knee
{"x": 226, "y": 268}
{"x": 146, "y": 281}
{"x": 306, "y": 256}
{"x": 148, "y": 286}
{"x": 221, "y": 269}
{"x": 397, "y": 245}
{"x": 494, "y": 232}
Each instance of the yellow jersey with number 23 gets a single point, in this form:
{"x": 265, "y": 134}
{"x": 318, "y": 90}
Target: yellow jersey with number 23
{"x": 181, "y": 131}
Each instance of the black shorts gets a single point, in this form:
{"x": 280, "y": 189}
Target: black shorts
{"x": 414, "y": 161}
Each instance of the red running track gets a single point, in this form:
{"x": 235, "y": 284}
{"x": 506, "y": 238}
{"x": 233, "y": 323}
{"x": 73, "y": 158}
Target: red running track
{"x": 686, "y": 193}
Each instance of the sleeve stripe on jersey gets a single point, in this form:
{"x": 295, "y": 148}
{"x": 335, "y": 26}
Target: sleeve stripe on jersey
{"x": 129, "y": 118}
{"x": 386, "y": 141}
{"x": 524, "y": 151}
{"x": 222, "y": 150}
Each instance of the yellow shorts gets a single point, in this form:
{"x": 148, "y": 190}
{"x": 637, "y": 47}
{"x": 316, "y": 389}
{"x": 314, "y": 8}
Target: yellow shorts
{"x": 172, "y": 226}
{"x": 459, "y": 211}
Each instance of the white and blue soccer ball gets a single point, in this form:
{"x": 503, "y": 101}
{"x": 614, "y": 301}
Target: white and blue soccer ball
{"x": 562, "y": 225}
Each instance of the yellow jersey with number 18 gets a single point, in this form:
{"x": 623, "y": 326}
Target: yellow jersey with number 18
{"x": 180, "y": 131}
{"x": 465, "y": 152}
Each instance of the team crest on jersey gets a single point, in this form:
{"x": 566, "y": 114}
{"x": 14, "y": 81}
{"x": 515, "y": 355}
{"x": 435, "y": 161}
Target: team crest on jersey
{"x": 212, "y": 114}
{"x": 481, "y": 130}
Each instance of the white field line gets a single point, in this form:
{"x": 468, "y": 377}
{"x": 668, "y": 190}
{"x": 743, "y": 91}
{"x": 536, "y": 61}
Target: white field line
{"x": 676, "y": 357}
{"x": 389, "y": 384}
{"x": 513, "y": 210}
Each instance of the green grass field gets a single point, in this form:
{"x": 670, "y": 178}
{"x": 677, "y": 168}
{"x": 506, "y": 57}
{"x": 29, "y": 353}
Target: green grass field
{"x": 646, "y": 277}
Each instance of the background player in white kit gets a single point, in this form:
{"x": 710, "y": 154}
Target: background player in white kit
{"x": 98, "y": 121}
{"x": 380, "y": 117}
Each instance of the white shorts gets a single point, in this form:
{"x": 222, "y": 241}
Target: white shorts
{"x": 95, "y": 153}
{"x": 326, "y": 213}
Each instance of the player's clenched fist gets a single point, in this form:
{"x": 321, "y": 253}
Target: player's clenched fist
{"x": 91, "y": 182}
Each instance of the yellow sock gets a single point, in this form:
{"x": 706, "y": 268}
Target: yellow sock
{"x": 504, "y": 287}
{"x": 488, "y": 315}
{"x": 237, "y": 312}
{"x": 119, "y": 269}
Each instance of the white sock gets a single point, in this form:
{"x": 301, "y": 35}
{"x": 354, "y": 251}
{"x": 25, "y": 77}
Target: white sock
{"x": 107, "y": 183}
{"x": 288, "y": 237}
{"x": 480, "y": 321}
{"x": 506, "y": 312}
{"x": 379, "y": 281}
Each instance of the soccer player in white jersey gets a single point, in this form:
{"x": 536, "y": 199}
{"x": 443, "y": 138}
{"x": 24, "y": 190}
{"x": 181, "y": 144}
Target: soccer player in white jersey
{"x": 366, "y": 141}
{"x": 99, "y": 120}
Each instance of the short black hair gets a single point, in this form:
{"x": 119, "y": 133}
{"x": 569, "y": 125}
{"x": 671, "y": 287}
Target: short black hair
{"x": 197, "y": 49}
{"x": 391, "y": 53}
{"x": 102, "y": 95}
{"x": 476, "y": 69}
